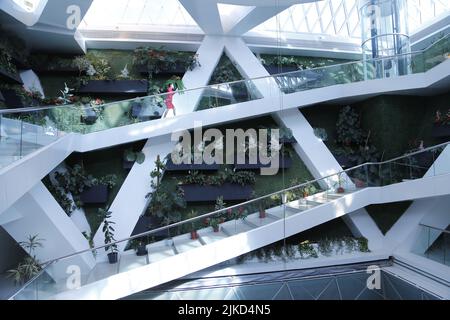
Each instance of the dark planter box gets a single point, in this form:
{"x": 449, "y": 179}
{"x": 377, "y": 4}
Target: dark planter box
{"x": 95, "y": 195}
{"x": 11, "y": 78}
{"x": 127, "y": 165}
{"x": 177, "y": 70}
{"x": 275, "y": 69}
{"x": 115, "y": 87}
{"x": 13, "y": 100}
{"x": 57, "y": 70}
{"x": 285, "y": 163}
{"x": 441, "y": 131}
{"x": 229, "y": 192}
{"x": 170, "y": 166}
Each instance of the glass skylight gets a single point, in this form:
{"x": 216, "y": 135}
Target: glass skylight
{"x": 138, "y": 12}
{"x": 341, "y": 17}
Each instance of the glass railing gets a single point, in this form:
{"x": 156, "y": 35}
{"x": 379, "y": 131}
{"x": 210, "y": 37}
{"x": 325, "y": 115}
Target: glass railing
{"x": 166, "y": 241}
{"x": 433, "y": 243}
{"x": 25, "y": 130}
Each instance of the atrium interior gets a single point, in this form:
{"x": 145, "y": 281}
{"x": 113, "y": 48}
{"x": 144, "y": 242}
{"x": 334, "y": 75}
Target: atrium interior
{"x": 225, "y": 149}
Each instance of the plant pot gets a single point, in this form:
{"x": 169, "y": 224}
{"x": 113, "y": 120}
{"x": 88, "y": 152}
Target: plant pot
{"x": 113, "y": 257}
{"x": 216, "y": 228}
{"x": 359, "y": 183}
{"x": 262, "y": 214}
{"x": 340, "y": 190}
{"x": 141, "y": 250}
{"x": 194, "y": 235}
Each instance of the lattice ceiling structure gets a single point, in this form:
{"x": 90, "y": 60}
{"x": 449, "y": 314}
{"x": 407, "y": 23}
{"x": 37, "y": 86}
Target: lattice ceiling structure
{"x": 329, "y": 17}
{"x": 341, "y": 17}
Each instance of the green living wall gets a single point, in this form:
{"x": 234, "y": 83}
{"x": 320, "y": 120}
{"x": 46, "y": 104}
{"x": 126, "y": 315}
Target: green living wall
{"x": 396, "y": 124}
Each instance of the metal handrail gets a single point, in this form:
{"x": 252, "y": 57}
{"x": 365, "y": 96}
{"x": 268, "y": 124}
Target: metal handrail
{"x": 12, "y": 111}
{"x": 435, "y": 228}
{"x": 51, "y": 262}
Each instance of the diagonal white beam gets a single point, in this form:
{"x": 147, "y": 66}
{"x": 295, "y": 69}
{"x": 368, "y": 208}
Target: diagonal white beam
{"x": 209, "y": 55}
{"x": 312, "y": 151}
{"x": 131, "y": 202}
{"x": 206, "y": 15}
{"x": 250, "y": 67}
{"x": 265, "y": 3}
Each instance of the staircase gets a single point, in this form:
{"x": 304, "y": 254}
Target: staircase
{"x": 179, "y": 255}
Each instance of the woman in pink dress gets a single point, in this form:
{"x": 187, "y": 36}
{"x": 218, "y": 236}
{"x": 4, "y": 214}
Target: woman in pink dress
{"x": 169, "y": 104}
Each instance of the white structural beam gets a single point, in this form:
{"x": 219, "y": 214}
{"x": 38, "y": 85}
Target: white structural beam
{"x": 41, "y": 215}
{"x": 362, "y": 225}
{"x": 201, "y": 257}
{"x": 131, "y": 202}
{"x": 35, "y": 166}
{"x": 206, "y": 15}
{"x": 254, "y": 18}
{"x": 312, "y": 151}
{"x": 209, "y": 55}
{"x": 31, "y": 169}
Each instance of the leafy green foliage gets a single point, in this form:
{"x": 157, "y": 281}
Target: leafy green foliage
{"x": 108, "y": 230}
{"x": 165, "y": 203}
{"x": 348, "y": 128}
{"x": 134, "y": 156}
{"x": 75, "y": 181}
{"x": 224, "y": 176}
{"x": 225, "y": 72}
{"x": 158, "y": 60}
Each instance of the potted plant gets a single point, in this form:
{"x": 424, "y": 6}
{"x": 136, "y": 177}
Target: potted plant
{"x": 134, "y": 156}
{"x": 214, "y": 222}
{"x": 262, "y": 210}
{"x": 193, "y": 225}
{"x": 108, "y": 231}
{"x": 140, "y": 247}
{"x": 339, "y": 183}
{"x": 30, "y": 266}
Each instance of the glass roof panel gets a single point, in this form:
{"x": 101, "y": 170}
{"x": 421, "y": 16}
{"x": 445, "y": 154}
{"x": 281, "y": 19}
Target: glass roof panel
{"x": 341, "y": 17}
{"x": 104, "y": 13}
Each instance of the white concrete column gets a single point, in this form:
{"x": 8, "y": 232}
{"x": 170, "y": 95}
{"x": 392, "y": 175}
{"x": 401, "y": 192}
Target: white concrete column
{"x": 42, "y": 216}
{"x": 209, "y": 55}
{"x": 362, "y": 225}
{"x": 130, "y": 203}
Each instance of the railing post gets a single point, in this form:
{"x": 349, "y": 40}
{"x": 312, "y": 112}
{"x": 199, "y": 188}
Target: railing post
{"x": 367, "y": 174}
{"x": 390, "y": 172}
{"x": 21, "y": 139}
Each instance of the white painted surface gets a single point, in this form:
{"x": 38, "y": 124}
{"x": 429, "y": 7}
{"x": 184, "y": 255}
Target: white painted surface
{"x": 441, "y": 165}
{"x": 30, "y": 170}
{"x": 209, "y": 55}
{"x": 130, "y": 202}
{"x": 31, "y": 82}
{"x": 223, "y": 249}
{"x": 21, "y": 14}
{"x": 361, "y": 224}
{"x": 42, "y": 216}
